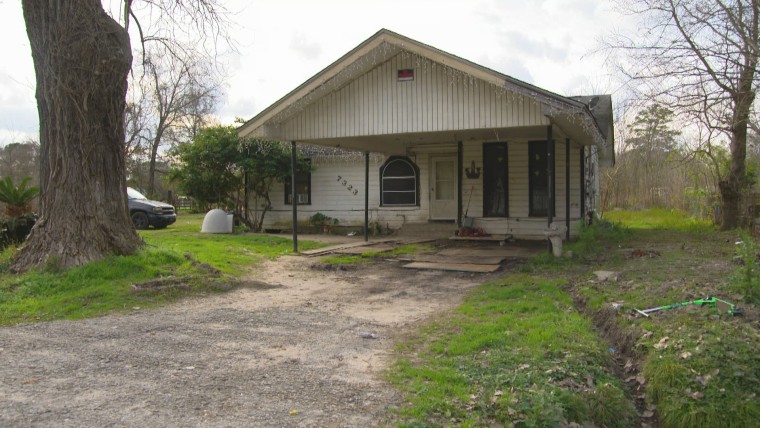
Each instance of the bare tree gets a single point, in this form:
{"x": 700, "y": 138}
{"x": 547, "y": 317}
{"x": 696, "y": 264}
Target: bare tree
{"x": 180, "y": 92}
{"x": 81, "y": 57}
{"x": 699, "y": 58}
{"x": 20, "y": 160}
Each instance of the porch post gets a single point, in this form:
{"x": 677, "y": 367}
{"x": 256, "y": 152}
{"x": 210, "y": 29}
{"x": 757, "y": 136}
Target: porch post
{"x": 583, "y": 184}
{"x": 460, "y": 165}
{"x": 550, "y": 174}
{"x": 366, "y": 196}
{"x": 293, "y": 196}
{"x": 567, "y": 187}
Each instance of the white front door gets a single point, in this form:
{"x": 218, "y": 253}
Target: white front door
{"x": 443, "y": 188}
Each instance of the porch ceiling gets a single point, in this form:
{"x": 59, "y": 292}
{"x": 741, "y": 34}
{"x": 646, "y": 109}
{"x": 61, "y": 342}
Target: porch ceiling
{"x": 401, "y": 144}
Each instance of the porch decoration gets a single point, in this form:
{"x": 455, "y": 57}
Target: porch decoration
{"x": 472, "y": 172}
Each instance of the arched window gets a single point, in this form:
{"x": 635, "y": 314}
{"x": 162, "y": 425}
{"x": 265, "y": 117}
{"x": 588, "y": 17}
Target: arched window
{"x": 399, "y": 182}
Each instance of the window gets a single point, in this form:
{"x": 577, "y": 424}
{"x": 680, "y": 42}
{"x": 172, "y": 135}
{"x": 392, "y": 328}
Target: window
{"x": 303, "y": 188}
{"x": 399, "y": 182}
{"x": 538, "y": 181}
{"x": 495, "y": 173}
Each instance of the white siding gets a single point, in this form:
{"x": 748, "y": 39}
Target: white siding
{"x": 436, "y": 100}
{"x": 332, "y": 197}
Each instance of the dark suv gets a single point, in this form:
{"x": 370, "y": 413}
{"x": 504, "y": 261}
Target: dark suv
{"x": 145, "y": 212}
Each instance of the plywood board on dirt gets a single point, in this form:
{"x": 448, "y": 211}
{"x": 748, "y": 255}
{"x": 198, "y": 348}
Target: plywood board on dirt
{"x": 502, "y": 251}
{"x": 481, "y": 238}
{"x": 365, "y": 249}
{"x": 334, "y": 248}
{"x": 458, "y": 267}
{"x": 435, "y": 258}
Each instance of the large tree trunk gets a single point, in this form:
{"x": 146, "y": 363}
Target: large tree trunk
{"x": 81, "y": 59}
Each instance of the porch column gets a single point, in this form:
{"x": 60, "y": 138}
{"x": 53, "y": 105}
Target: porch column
{"x": 460, "y": 165}
{"x": 294, "y": 199}
{"x": 583, "y": 184}
{"x": 366, "y": 196}
{"x": 567, "y": 188}
{"x": 550, "y": 174}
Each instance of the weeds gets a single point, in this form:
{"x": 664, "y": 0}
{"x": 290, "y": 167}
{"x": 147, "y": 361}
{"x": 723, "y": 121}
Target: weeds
{"x": 706, "y": 373}
{"x": 747, "y": 275}
{"x": 660, "y": 219}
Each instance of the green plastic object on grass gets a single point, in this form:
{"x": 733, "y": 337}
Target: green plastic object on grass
{"x": 723, "y": 306}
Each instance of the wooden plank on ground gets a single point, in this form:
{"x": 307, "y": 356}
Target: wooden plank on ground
{"x": 458, "y": 267}
{"x": 481, "y": 238}
{"x": 338, "y": 248}
{"x": 436, "y": 258}
{"x": 365, "y": 249}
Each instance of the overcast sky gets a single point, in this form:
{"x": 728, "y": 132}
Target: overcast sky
{"x": 282, "y": 43}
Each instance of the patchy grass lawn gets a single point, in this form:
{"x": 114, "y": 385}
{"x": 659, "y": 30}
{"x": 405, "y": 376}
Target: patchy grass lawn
{"x": 516, "y": 351}
{"x": 200, "y": 263}
{"x": 523, "y": 350}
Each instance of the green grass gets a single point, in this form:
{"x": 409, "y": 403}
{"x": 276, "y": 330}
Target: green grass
{"x": 656, "y": 218}
{"x": 230, "y": 253}
{"x": 517, "y": 352}
{"x": 105, "y": 286}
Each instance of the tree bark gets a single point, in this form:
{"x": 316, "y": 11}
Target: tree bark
{"x": 81, "y": 60}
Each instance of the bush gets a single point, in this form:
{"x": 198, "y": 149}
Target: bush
{"x": 747, "y": 275}
{"x": 15, "y": 230}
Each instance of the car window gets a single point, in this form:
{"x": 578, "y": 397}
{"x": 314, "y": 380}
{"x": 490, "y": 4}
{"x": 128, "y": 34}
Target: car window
{"x": 134, "y": 194}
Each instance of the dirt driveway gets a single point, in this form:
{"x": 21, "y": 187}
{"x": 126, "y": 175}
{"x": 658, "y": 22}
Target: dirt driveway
{"x": 298, "y": 345}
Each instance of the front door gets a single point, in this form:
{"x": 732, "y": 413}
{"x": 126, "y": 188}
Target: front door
{"x": 443, "y": 188}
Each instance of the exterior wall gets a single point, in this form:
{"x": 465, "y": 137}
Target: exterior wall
{"x": 518, "y": 223}
{"x": 436, "y": 100}
{"x": 332, "y": 197}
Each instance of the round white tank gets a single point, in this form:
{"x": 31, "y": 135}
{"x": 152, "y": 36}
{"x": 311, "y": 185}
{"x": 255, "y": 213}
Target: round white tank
{"x": 217, "y": 221}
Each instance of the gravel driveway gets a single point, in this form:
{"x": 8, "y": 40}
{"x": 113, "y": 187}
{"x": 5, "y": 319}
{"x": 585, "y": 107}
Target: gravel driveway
{"x": 296, "y": 346}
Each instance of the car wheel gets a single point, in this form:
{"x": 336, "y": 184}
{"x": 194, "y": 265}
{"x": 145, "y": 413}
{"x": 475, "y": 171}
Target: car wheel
{"x": 140, "y": 220}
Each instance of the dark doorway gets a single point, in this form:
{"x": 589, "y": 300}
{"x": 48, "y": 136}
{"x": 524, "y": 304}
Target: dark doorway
{"x": 495, "y": 180}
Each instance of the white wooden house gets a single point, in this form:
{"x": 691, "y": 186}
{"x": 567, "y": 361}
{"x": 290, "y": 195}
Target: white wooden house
{"x": 437, "y": 137}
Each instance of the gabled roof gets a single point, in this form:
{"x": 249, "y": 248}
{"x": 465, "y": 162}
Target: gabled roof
{"x": 385, "y": 44}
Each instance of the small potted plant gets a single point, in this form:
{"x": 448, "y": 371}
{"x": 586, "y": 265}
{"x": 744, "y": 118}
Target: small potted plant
{"x": 323, "y": 221}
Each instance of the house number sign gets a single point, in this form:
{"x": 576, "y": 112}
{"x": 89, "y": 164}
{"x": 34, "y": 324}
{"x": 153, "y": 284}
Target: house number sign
{"x": 347, "y": 185}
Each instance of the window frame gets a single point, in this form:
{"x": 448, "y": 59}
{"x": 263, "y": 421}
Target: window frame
{"x": 416, "y": 191}
{"x": 306, "y": 176}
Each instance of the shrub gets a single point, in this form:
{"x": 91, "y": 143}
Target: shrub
{"x": 747, "y": 276}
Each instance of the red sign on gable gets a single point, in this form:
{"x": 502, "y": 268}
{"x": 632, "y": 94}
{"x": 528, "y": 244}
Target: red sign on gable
{"x": 406, "y": 74}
